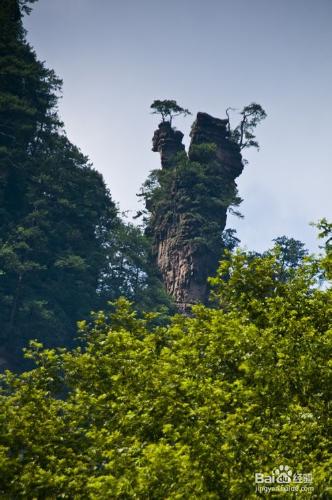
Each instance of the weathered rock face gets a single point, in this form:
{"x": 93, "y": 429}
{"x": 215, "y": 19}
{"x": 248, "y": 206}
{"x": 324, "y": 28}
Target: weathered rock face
{"x": 185, "y": 264}
{"x": 184, "y": 269}
{"x": 167, "y": 142}
{"x": 206, "y": 130}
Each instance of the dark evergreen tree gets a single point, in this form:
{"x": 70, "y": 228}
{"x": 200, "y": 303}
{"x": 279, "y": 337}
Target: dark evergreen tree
{"x": 63, "y": 248}
{"x": 129, "y": 271}
{"x": 54, "y": 207}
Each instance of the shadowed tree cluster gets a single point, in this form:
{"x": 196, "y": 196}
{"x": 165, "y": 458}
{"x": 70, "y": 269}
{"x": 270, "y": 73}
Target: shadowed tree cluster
{"x": 60, "y": 233}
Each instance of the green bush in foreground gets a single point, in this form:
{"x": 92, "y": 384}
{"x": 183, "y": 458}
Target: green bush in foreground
{"x": 192, "y": 410}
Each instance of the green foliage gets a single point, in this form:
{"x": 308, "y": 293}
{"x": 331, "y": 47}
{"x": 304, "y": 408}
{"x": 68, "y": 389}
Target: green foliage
{"x": 292, "y": 251}
{"x": 192, "y": 410}
{"x": 325, "y": 233}
{"x": 188, "y": 410}
{"x": 50, "y": 251}
{"x": 243, "y": 133}
{"x": 57, "y": 217}
{"x": 130, "y": 272}
{"x": 168, "y": 109}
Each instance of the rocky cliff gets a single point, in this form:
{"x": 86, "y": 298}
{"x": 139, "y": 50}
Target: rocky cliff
{"x": 187, "y": 232}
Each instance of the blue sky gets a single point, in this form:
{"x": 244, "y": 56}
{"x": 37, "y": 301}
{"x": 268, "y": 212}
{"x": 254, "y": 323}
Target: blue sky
{"x": 117, "y": 56}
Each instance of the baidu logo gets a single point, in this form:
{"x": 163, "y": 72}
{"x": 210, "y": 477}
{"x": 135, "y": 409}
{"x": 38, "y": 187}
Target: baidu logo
{"x": 283, "y": 479}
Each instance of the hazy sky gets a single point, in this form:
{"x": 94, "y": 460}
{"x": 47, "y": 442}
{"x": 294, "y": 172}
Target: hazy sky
{"x": 117, "y": 56}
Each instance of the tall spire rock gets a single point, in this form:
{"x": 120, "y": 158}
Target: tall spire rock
{"x": 188, "y": 210}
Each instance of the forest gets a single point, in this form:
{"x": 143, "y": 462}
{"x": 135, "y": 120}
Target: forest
{"x": 153, "y": 359}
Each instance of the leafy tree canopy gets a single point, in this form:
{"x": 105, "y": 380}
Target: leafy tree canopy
{"x": 190, "y": 410}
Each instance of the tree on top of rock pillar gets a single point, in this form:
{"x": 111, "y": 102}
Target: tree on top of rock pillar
{"x": 168, "y": 109}
{"x": 243, "y": 133}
